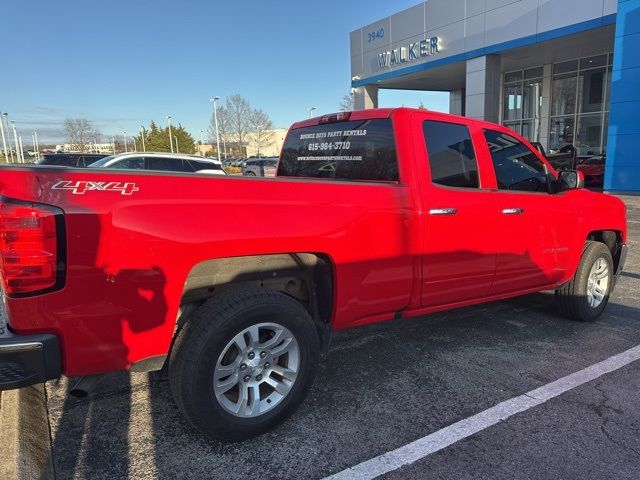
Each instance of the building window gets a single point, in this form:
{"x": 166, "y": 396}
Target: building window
{"x": 580, "y": 105}
{"x": 522, "y": 102}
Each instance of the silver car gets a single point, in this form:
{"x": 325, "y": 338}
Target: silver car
{"x": 260, "y": 167}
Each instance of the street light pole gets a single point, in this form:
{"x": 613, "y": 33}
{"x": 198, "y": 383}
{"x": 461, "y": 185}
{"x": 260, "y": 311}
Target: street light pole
{"x": 142, "y": 136}
{"x": 202, "y": 142}
{"x": 6, "y": 119}
{"x": 4, "y": 142}
{"x": 170, "y": 137}
{"x": 113, "y": 144}
{"x": 310, "y": 110}
{"x": 15, "y": 140}
{"x": 124, "y": 136}
{"x": 21, "y": 150}
{"x": 135, "y": 145}
{"x": 215, "y": 119}
{"x": 35, "y": 135}
{"x": 177, "y": 148}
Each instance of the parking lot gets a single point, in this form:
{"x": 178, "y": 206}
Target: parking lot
{"x": 382, "y": 387}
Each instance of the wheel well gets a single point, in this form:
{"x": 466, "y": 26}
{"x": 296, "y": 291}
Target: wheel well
{"x": 612, "y": 239}
{"x": 307, "y": 277}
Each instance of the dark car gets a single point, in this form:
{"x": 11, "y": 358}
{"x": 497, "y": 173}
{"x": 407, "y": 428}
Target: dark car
{"x": 70, "y": 159}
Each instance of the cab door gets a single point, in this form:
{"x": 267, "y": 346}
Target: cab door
{"x": 458, "y": 258}
{"x": 535, "y": 226}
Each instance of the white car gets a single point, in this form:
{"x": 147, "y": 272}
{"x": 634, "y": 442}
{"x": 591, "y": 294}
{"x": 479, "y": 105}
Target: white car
{"x": 162, "y": 162}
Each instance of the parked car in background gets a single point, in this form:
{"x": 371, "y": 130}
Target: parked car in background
{"x": 162, "y": 162}
{"x": 260, "y": 167}
{"x": 70, "y": 159}
{"x": 593, "y": 170}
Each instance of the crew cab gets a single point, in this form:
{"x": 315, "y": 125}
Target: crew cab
{"x": 235, "y": 284}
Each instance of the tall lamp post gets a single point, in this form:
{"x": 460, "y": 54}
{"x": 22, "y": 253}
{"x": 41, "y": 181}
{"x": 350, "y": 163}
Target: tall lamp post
{"x": 35, "y": 136}
{"x": 175, "y": 137}
{"x": 310, "y": 110}
{"x": 15, "y": 140}
{"x": 4, "y": 142}
{"x": 215, "y": 119}
{"x": 202, "y": 142}
{"x": 113, "y": 144}
{"x": 135, "y": 145}
{"x": 170, "y": 136}
{"x": 124, "y": 137}
{"x": 6, "y": 119}
{"x": 142, "y": 136}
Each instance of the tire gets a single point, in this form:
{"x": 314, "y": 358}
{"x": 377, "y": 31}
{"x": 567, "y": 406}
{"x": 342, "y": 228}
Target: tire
{"x": 579, "y": 299}
{"x": 208, "y": 344}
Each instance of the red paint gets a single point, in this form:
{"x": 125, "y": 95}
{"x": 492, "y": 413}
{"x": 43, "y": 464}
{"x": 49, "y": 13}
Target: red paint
{"x": 129, "y": 250}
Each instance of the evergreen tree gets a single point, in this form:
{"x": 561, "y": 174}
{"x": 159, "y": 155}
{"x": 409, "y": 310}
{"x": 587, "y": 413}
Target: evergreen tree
{"x": 157, "y": 139}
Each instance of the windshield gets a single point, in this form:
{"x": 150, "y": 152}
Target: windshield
{"x": 102, "y": 162}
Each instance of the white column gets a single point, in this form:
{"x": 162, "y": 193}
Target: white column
{"x": 545, "y": 109}
{"x": 456, "y": 102}
{"x": 366, "y": 97}
{"x": 482, "y": 99}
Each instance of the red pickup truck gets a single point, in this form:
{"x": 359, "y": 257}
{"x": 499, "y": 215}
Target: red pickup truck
{"x": 235, "y": 284}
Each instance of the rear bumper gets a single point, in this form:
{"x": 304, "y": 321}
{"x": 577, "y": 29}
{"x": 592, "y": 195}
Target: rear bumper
{"x": 28, "y": 359}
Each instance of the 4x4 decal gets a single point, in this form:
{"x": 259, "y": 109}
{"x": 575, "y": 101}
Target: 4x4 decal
{"x": 81, "y": 187}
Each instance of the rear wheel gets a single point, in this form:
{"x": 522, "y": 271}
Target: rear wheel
{"x": 586, "y": 295}
{"x": 243, "y": 363}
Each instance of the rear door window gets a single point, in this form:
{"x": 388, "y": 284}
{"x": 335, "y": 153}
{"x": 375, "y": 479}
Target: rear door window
{"x": 169, "y": 165}
{"x": 352, "y": 150}
{"x": 452, "y": 160}
{"x": 135, "y": 163}
{"x": 198, "y": 165}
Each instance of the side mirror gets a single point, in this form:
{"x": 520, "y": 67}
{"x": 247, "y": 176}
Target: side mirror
{"x": 569, "y": 180}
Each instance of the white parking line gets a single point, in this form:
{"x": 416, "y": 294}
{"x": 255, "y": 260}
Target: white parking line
{"x": 436, "y": 441}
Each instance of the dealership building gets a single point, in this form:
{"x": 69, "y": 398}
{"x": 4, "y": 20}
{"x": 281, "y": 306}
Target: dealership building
{"x": 565, "y": 73}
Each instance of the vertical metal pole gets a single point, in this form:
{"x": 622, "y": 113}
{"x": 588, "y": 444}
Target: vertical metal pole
{"x": 21, "y": 150}
{"x": 113, "y": 144}
{"x": 170, "y": 136}
{"x": 6, "y": 119}
{"x": 202, "y": 143}
{"x": 124, "y": 136}
{"x": 144, "y": 149}
{"x": 4, "y": 142}
{"x": 177, "y": 148}
{"x": 215, "y": 119}
{"x": 35, "y": 134}
{"x": 15, "y": 141}
{"x": 135, "y": 145}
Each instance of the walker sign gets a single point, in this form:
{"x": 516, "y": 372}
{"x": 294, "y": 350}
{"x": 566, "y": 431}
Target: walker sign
{"x": 414, "y": 51}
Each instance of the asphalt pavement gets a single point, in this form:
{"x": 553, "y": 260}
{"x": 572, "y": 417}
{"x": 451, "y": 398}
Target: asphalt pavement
{"x": 384, "y": 386}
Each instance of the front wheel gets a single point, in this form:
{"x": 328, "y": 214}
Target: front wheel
{"x": 243, "y": 363}
{"x": 586, "y": 295}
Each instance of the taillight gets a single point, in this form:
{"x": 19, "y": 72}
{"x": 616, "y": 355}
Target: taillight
{"x": 335, "y": 117}
{"x": 29, "y": 253}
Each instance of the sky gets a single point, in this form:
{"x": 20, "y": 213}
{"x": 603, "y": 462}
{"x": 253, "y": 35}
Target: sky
{"x": 124, "y": 63}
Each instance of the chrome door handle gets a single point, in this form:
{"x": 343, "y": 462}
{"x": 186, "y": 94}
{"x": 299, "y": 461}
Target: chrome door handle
{"x": 442, "y": 211}
{"x": 513, "y": 211}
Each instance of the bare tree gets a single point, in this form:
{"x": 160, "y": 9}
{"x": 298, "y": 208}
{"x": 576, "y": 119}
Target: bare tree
{"x": 347, "y": 104}
{"x": 239, "y": 118}
{"x": 261, "y": 128}
{"x": 80, "y": 133}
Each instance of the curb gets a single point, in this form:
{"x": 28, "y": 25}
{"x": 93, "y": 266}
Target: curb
{"x": 24, "y": 435}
